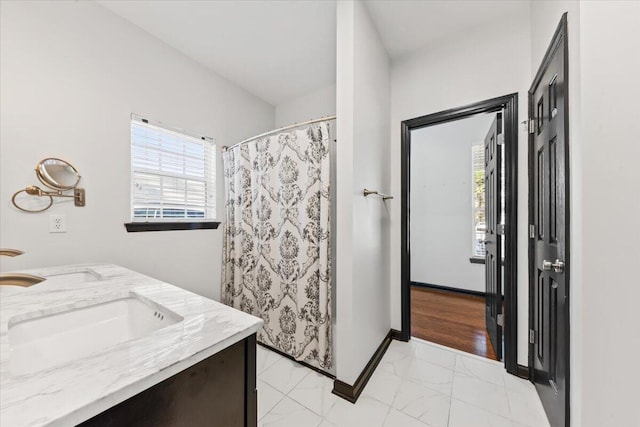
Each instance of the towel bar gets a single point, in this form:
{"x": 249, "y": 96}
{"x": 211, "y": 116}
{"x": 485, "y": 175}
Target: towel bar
{"x": 375, "y": 193}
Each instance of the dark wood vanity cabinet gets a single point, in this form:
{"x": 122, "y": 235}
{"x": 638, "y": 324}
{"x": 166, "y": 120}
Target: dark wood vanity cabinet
{"x": 218, "y": 392}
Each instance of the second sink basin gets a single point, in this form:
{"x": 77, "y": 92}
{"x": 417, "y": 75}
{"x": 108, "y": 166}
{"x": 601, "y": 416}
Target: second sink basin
{"x": 43, "y": 342}
{"x": 80, "y": 276}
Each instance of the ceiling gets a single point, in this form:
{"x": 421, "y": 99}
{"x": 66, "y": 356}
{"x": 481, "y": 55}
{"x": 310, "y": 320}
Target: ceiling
{"x": 281, "y": 50}
{"x": 405, "y": 25}
{"x": 277, "y": 50}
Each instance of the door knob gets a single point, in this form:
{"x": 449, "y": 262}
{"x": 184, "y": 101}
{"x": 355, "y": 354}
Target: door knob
{"x": 557, "y": 265}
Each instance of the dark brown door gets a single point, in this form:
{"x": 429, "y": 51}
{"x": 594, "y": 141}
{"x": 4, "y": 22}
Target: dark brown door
{"x": 549, "y": 232}
{"x": 493, "y": 243}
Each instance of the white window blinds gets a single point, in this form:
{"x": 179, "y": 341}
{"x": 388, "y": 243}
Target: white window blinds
{"x": 478, "y": 205}
{"x": 172, "y": 175}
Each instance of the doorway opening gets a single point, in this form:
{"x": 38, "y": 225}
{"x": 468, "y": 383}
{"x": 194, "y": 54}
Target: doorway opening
{"x": 451, "y": 234}
{"x": 459, "y": 203}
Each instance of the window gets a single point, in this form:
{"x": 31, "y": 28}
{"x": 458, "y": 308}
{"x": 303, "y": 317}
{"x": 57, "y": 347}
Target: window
{"x": 478, "y": 207}
{"x": 172, "y": 175}
{"x": 478, "y": 202}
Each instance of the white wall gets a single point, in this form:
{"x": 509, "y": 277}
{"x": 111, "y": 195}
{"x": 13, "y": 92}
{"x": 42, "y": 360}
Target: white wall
{"x": 362, "y": 161}
{"x": 319, "y": 103}
{"x": 441, "y": 223}
{"x": 480, "y": 64}
{"x": 610, "y": 66}
{"x": 71, "y": 75}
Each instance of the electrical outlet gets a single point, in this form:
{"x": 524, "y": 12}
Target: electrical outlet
{"x": 57, "y": 223}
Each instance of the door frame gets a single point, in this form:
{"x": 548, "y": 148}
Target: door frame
{"x": 560, "y": 36}
{"x": 509, "y": 105}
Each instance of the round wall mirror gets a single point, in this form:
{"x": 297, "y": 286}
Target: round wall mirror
{"x": 57, "y": 174}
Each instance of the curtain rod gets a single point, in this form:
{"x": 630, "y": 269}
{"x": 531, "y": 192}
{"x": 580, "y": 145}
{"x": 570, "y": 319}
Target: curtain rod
{"x": 321, "y": 119}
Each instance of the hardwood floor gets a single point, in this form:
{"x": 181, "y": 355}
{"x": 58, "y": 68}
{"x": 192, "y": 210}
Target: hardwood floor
{"x": 450, "y": 319}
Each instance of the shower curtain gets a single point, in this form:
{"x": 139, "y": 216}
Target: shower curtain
{"x": 276, "y": 256}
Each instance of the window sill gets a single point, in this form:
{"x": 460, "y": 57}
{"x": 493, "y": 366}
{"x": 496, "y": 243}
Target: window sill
{"x": 133, "y": 227}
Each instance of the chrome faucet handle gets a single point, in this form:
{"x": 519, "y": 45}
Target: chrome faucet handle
{"x": 10, "y": 252}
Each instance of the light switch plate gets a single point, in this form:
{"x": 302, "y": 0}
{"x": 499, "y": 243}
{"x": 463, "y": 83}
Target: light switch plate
{"x": 57, "y": 223}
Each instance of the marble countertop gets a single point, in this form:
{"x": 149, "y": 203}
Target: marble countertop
{"x": 76, "y": 391}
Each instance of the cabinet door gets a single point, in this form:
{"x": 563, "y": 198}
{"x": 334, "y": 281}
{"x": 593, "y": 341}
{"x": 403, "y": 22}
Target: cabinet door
{"x": 220, "y": 391}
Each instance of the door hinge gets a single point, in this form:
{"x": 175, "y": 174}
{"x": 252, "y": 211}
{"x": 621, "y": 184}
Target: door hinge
{"x": 500, "y": 140}
{"x": 532, "y": 231}
{"x": 500, "y": 229}
{"x": 532, "y": 126}
{"x": 500, "y": 320}
{"x": 532, "y": 336}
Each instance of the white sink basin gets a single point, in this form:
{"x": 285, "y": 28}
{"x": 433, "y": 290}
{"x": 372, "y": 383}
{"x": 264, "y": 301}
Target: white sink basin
{"x": 81, "y": 276}
{"x": 43, "y": 342}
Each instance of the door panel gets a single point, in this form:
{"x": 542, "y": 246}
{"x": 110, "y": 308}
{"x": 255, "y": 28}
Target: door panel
{"x": 493, "y": 241}
{"x": 549, "y": 249}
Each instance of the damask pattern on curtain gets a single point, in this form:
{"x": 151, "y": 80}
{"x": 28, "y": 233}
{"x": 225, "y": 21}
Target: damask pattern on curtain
{"x": 276, "y": 255}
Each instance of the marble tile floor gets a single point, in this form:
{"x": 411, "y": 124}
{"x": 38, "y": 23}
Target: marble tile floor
{"x": 417, "y": 384}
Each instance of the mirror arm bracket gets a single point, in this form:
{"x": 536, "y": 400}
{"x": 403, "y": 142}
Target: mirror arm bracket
{"x": 79, "y": 197}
